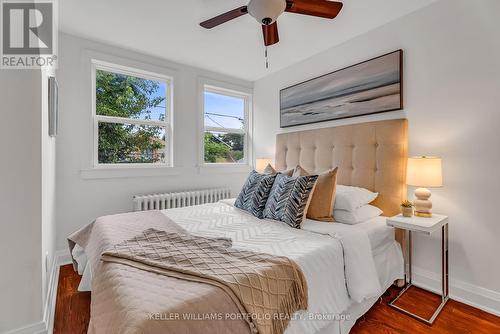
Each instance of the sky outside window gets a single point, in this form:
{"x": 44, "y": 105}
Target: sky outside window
{"x": 224, "y": 111}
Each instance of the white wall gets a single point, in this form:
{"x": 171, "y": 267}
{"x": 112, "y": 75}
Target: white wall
{"x": 452, "y": 99}
{"x": 21, "y": 266}
{"x": 83, "y": 195}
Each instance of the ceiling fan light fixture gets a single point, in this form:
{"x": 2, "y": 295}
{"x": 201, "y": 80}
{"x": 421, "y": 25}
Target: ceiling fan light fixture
{"x": 266, "y": 12}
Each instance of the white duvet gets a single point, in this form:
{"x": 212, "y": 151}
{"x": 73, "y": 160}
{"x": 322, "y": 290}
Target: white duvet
{"x": 336, "y": 259}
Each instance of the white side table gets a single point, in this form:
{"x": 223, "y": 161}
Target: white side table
{"x": 426, "y": 226}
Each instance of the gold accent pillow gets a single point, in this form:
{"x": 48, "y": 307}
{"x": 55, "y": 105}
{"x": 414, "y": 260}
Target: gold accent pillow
{"x": 323, "y": 197}
{"x": 269, "y": 170}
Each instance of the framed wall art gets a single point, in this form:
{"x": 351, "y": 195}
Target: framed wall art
{"x": 370, "y": 87}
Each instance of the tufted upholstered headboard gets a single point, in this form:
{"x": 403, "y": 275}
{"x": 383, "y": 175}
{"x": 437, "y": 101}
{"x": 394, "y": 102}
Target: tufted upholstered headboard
{"x": 370, "y": 155}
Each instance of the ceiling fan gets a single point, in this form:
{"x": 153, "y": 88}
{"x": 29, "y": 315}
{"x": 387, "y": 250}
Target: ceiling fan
{"x": 266, "y": 12}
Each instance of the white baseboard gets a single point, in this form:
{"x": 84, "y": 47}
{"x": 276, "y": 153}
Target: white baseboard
{"x": 473, "y": 295}
{"x": 61, "y": 257}
{"x": 37, "y": 328}
{"x": 46, "y": 326}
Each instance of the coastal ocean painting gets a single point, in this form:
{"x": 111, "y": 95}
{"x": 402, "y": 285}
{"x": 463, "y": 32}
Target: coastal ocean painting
{"x": 370, "y": 87}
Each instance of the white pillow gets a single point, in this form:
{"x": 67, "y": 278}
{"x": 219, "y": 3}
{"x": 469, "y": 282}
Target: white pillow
{"x": 350, "y": 198}
{"x": 362, "y": 214}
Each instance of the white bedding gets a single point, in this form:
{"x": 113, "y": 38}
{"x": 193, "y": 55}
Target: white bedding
{"x": 379, "y": 233}
{"x": 321, "y": 250}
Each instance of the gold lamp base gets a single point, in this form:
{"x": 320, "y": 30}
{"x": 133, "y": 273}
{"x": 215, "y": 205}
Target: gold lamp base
{"x": 423, "y": 214}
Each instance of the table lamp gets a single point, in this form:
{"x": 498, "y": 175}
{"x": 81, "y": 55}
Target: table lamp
{"x": 261, "y": 164}
{"x": 424, "y": 172}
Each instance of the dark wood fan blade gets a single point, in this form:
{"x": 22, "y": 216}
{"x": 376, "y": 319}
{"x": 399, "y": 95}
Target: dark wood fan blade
{"x": 223, "y": 18}
{"x": 271, "y": 35}
{"x": 320, "y": 8}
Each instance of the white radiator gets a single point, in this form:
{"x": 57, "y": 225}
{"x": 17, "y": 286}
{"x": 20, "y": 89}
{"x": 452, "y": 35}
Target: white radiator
{"x": 179, "y": 199}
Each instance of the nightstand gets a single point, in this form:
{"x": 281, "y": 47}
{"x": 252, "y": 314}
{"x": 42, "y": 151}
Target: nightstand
{"x": 426, "y": 226}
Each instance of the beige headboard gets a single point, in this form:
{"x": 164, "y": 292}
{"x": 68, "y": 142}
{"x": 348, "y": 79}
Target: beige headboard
{"x": 369, "y": 155}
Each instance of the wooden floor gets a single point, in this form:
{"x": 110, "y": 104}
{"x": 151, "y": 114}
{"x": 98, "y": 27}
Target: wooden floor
{"x": 456, "y": 318}
{"x": 73, "y": 313}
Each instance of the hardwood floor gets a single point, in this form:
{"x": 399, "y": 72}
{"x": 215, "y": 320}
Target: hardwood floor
{"x": 456, "y": 318}
{"x": 73, "y": 313}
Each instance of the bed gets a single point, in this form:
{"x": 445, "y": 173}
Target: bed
{"x": 347, "y": 268}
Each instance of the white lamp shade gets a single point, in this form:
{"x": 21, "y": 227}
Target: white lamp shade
{"x": 266, "y": 9}
{"x": 261, "y": 164}
{"x": 424, "y": 172}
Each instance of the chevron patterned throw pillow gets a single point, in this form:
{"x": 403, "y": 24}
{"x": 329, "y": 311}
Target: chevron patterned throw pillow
{"x": 289, "y": 199}
{"x": 255, "y": 192}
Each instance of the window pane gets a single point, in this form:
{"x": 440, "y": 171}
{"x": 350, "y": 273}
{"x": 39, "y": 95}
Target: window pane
{"x": 127, "y": 143}
{"x": 127, "y": 96}
{"x": 224, "y": 147}
{"x": 224, "y": 111}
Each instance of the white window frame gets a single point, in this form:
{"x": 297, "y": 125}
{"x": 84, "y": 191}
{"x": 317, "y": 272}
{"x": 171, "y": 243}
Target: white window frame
{"x": 238, "y": 92}
{"x": 167, "y": 123}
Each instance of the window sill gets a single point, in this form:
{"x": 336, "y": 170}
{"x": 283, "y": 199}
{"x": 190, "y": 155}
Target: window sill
{"x": 128, "y": 172}
{"x": 224, "y": 169}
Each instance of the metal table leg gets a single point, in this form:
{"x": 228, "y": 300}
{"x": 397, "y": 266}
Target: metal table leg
{"x": 408, "y": 276}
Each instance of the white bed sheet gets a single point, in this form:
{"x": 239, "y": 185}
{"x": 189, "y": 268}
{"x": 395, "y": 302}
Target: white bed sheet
{"x": 389, "y": 263}
{"x": 379, "y": 233}
{"x": 321, "y": 250}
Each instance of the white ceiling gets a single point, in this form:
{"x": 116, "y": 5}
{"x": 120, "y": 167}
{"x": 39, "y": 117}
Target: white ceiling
{"x": 170, "y": 29}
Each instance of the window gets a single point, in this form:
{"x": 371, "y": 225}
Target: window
{"x": 226, "y": 127}
{"x": 132, "y": 117}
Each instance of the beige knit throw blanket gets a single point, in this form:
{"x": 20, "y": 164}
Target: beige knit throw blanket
{"x": 267, "y": 289}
